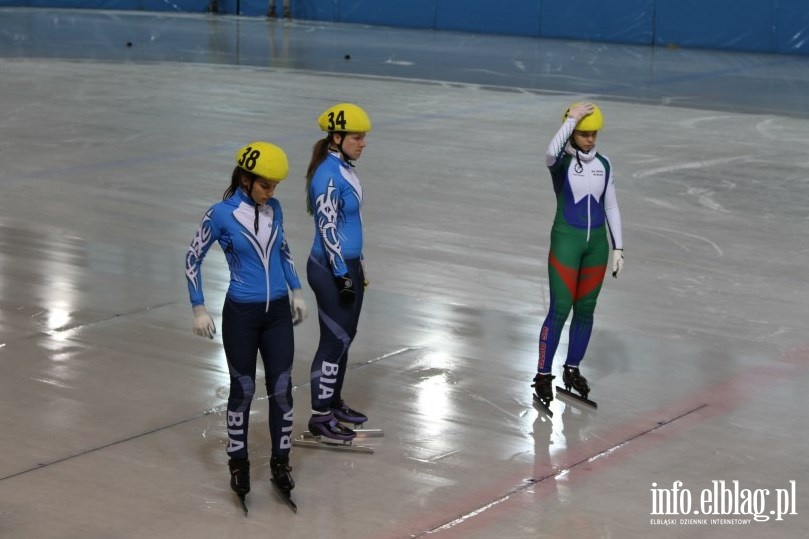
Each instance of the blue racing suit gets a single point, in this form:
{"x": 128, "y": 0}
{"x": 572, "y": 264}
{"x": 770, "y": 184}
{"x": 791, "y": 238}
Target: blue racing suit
{"x": 336, "y": 196}
{"x": 256, "y": 316}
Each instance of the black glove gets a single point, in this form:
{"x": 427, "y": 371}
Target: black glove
{"x": 345, "y": 288}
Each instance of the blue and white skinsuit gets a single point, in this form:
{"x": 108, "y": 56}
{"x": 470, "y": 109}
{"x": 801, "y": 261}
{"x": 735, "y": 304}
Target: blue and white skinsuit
{"x": 256, "y": 316}
{"x": 336, "y": 197}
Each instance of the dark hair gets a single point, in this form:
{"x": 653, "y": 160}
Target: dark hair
{"x": 319, "y": 152}
{"x": 236, "y": 181}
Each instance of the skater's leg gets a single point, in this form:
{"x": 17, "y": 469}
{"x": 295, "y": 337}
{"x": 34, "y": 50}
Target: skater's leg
{"x": 355, "y": 271}
{"x": 240, "y": 337}
{"x": 563, "y": 266}
{"x": 588, "y": 287}
{"x": 338, "y": 325}
{"x": 277, "y": 351}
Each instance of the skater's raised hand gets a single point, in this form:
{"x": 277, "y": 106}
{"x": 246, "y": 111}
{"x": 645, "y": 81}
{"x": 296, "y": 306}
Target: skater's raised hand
{"x": 203, "y": 323}
{"x": 580, "y": 110}
{"x": 617, "y": 262}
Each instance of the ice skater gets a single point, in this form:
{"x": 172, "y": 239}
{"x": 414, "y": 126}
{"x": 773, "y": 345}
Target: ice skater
{"x": 272, "y": 13}
{"x": 585, "y": 206}
{"x": 258, "y": 315}
{"x": 335, "y": 269}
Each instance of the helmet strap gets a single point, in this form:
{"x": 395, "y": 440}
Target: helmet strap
{"x": 342, "y": 134}
{"x": 255, "y": 206}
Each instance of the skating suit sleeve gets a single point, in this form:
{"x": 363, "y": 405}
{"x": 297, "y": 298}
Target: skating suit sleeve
{"x": 290, "y": 275}
{"x": 556, "y": 149}
{"x": 207, "y": 233}
{"x": 336, "y": 197}
{"x": 612, "y": 212}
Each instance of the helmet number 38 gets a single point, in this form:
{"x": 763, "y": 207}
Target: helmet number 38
{"x": 249, "y": 158}
{"x": 339, "y": 119}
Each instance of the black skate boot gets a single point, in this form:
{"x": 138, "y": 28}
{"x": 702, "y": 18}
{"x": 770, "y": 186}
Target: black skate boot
{"x": 281, "y": 472}
{"x": 543, "y": 391}
{"x": 239, "y": 476}
{"x": 287, "y": 12}
{"x": 327, "y": 426}
{"x": 573, "y": 379}
{"x": 343, "y": 412}
{"x": 271, "y": 11}
{"x": 240, "y": 479}
{"x": 282, "y": 479}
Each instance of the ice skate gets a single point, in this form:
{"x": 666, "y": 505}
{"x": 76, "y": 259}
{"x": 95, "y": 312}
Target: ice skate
{"x": 240, "y": 479}
{"x": 282, "y": 479}
{"x": 573, "y": 380}
{"x": 287, "y": 12}
{"x": 271, "y": 12}
{"x": 326, "y": 432}
{"x": 345, "y": 414}
{"x": 543, "y": 393}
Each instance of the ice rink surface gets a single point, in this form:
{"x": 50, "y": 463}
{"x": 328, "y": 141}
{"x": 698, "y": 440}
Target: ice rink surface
{"x": 113, "y": 420}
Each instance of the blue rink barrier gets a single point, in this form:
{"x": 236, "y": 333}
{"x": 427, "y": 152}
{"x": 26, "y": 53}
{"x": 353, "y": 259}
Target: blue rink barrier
{"x": 780, "y": 26}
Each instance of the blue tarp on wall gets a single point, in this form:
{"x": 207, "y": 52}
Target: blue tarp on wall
{"x": 624, "y": 21}
{"x": 718, "y": 24}
{"x": 751, "y": 25}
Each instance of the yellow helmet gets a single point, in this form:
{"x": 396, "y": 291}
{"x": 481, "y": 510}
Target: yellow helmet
{"x": 345, "y": 117}
{"x": 592, "y": 122}
{"x": 263, "y": 159}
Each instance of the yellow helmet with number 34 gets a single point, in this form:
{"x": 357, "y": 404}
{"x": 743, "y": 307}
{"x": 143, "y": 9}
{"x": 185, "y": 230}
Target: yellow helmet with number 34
{"x": 346, "y": 117}
{"x": 263, "y": 159}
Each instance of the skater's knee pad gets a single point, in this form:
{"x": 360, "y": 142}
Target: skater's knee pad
{"x": 584, "y": 308}
{"x": 243, "y": 387}
{"x": 559, "y": 309}
{"x": 281, "y": 391}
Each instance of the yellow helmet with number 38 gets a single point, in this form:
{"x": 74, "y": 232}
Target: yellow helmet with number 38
{"x": 346, "y": 117}
{"x": 592, "y": 122}
{"x": 263, "y": 159}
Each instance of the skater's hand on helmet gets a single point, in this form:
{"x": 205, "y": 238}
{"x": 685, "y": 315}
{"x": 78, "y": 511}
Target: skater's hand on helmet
{"x": 298, "y": 307}
{"x": 345, "y": 288}
{"x": 580, "y": 111}
{"x": 203, "y": 323}
{"x": 617, "y": 262}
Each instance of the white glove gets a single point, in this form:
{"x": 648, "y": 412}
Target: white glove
{"x": 580, "y": 111}
{"x": 298, "y": 307}
{"x": 617, "y": 262}
{"x": 203, "y": 323}
{"x": 365, "y": 282}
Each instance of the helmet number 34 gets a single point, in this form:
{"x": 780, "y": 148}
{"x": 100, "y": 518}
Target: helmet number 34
{"x": 249, "y": 158}
{"x": 339, "y": 119}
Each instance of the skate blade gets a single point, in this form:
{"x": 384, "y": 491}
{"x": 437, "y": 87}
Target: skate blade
{"x": 285, "y": 496}
{"x": 319, "y": 442}
{"x": 369, "y": 433}
{"x": 361, "y": 433}
{"x": 244, "y": 504}
{"x": 541, "y": 407}
{"x": 575, "y": 396}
